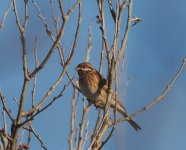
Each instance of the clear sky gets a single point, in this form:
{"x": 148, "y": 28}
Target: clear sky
{"x": 155, "y": 50}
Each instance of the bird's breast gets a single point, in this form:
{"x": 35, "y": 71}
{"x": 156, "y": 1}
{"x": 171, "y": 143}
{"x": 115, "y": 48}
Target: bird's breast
{"x": 87, "y": 90}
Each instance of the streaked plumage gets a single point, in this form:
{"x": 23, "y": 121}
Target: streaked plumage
{"x": 93, "y": 85}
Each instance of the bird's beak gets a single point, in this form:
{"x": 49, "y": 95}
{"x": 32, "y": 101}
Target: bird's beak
{"x": 77, "y": 68}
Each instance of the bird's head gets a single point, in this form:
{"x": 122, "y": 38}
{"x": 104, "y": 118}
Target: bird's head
{"x": 84, "y": 68}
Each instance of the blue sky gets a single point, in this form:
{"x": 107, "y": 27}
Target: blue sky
{"x": 155, "y": 50}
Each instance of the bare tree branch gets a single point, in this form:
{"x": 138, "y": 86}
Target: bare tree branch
{"x": 89, "y": 43}
{"x": 114, "y": 51}
{"x": 5, "y": 15}
{"x": 162, "y": 96}
{"x": 112, "y": 10}
{"x": 101, "y": 57}
{"x": 39, "y": 110}
{"x": 35, "y": 78}
{"x": 26, "y": 14}
{"x": 5, "y": 107}
{"x": 55, "y": 20}
{"x": 101, "y": 19}
{"x": 36, "y": 108}
{"x": 3, "y": 132}
{"x": 60, "y": 49}
{"x": 72, "y": 121}
{"x": 57, "y": 40}
{"x": 14, "y": 129}
{"x": 38, "y": 137}
{"x": 80, "y": 139}
{"x": 124, "y": 40}
{"x": 22, "y": 33}
{"x": 95, "y": 131}
{"x": 104, "y": 126}
{"x": 62, "y": 9}
{"x": 86, "y": 134}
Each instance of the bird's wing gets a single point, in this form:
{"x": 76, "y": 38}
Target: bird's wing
{"x": 102, "y": 86}
{"x": 116, "y": 102}
{"x": 102, "y": 80}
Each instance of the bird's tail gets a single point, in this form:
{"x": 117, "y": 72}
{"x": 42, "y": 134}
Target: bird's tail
{"x": 132, "y": 122}
{"x": 117, "y": 104}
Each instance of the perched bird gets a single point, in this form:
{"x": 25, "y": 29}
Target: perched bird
{"x": 94, "y": 86}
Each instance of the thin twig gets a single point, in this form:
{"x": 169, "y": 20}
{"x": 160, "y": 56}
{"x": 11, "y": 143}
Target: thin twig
{"x": 55, "y": 20}
{"x": 3, "y": 132}
{"x": 109, "y": 136}
{"x": 35, "y": 78}
{"x": 5, "y": 15}
{"x": 112, "y": 63}
{"x": 86, "y": 134}
{"x": 115, "y": 113}
{"x": 103, "y": 28}
{"x": 15, "y": 129}
{"x": 75, "y": 41}
{"x": 104, "y": 126}
{"x": 162, "y": 96}
{"x": 5, "y": 107}
{"x": 4, "y": 121}
{"x": 39, "y": 110}
{"x": 16, "y": 101}
{"x": 29, "y": 136}
{"x": 22, "y": 136}
{"x": 89, "y": 43}
{"x": 78, "y": 26}
{"x": 4, "y": 138}
{"x": 23, "y": 40}
{"x": 42, "y": 18}
{"x": 49, "y": 32}
{"x": 34, "y": 86}
{"x": 60, "y": 49}
{"x": 51, "y": 50}
{"x": 26, "y": 14}
{"x": 125, "y": 37}
{"x": 62, "y": 9}
{"x": 76, "y": 137}
{"x": 94, "y": 138}
{"x": 112, "y": 10}
{"x": 74, "y": 7}
{"x": 50, "y": 91}
{"x": 99, "y": 116}
{"x": 101, "y": 57}
{"x": 109, "y": 88}
{"x": 72, "y": 122}
{"x": 80, "y": 139}
{"x": 38, "y": 137}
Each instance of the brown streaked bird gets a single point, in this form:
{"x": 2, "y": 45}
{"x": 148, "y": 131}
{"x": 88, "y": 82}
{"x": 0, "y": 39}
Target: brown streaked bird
{"x": 93, "y": 85}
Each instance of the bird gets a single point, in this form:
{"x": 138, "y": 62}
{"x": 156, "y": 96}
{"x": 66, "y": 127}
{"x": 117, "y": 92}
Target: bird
{"x": 94, "y": 87}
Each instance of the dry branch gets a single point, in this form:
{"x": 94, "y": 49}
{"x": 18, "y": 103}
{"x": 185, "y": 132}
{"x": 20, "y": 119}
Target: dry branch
{"x": 14, "y": 131}
{"x": 5, "y": 107}
{"x": 82, "y": 124}
{"x": 5, "y": 15}
{"x": 89, "y": 43}
{"x": 162, "y": 95}
{"x": 125, "y": 37}
{"x": 72, "y": 121}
